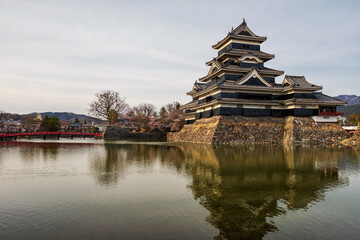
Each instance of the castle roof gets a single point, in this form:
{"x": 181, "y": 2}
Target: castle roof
{"x": 325, "y": 98}
{"x": 234, "y": 53}
{"x": 297, "y": 81}
{"x": 198, "y": 86}
{"x": 241, "y": 32}
{"x": 240, "y": 70}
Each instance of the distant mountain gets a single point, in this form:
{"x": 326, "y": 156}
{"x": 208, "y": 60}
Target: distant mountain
{"x": 348, "y": 110}
{"x": 63, "y": 116}
{"x": 69, "y": 116}
{"x": 350, "y": 99}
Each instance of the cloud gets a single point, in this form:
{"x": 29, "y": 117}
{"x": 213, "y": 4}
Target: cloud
{"x": 56, "y": 54}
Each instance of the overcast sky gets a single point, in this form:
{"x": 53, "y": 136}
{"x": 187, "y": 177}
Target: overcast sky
{"x": 54, "y": 55}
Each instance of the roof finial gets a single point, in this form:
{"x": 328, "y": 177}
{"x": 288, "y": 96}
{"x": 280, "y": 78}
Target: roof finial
{"x": 244, "y": 20}
{"x": 232, "y": 28}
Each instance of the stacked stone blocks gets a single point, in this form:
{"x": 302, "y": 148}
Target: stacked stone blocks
{"x": 257, "y": 130}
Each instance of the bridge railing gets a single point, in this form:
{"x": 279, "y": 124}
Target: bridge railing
{"x": 49, "y": 133}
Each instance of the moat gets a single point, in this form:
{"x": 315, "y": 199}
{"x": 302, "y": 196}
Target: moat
{"x": 76, "y": 189}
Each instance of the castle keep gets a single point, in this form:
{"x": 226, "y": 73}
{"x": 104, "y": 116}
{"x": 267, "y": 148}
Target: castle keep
{"x": 238, "y": 83}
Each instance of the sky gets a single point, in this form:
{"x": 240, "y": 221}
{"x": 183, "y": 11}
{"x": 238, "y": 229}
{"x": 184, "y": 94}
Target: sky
{"x": 56, "y": 54}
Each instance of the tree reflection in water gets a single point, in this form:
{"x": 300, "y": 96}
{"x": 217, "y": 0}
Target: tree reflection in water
{"x": 108, "y": 168}
{"x": 40, "y": 151}
{"x": 242, "y": 188}
{"x": 118, "y": 160}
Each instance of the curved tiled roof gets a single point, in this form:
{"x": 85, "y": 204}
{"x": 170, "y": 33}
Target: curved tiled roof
{"x": 262, "y": 70}
{"x": 239, "y": 33}
{"x": 325, "y": 98}
{"x": 239, "y": 37}
{"x": 243, "y": 52}
{"x": 298, "y": 82}
{"x": 241, "y": 70}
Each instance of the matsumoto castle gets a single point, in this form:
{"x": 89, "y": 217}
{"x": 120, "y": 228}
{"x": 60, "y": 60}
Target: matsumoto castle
{"x": 238, "y": 83}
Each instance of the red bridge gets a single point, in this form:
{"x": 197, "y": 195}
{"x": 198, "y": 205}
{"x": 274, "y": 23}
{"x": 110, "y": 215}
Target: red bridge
{"x": 44, "y": 134}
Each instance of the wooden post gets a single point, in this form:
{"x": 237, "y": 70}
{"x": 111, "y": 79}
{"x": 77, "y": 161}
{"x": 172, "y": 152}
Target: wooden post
{"x": 44, "y": 137}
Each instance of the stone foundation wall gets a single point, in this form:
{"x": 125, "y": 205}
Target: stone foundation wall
{"x": 255, "y": 130}
{"x": 245, "y": 130}
{"x": 354, "y": 141}
{"x": 306, "y": 130}
{"x": 357, "y": 132}
{"x": 119, "y": 133}
{"x": 202, "y": 131}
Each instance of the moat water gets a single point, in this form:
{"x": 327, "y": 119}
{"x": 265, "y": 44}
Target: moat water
{"x": 122, "y": 190}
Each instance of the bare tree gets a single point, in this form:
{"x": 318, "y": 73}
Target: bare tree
{"x": 106, "y": 101}
{"x": 145, "y": 109}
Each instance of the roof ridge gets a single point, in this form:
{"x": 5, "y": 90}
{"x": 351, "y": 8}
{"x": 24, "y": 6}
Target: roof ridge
{"x": 329, "y": 96}
{"x": 294, "y": 75}
{"x": 243, "y": 26}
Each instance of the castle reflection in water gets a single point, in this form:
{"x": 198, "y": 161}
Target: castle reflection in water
{"x": 242, "y": 188}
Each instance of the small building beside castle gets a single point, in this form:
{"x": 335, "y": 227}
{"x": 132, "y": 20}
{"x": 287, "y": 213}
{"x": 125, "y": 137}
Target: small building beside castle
{"x": 238, "y": 83}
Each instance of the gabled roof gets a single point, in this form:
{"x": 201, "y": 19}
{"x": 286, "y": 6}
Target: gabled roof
{"x": 241, "y": 32}
{"x": 297, "y": 81}
{"x": 252, "y": 74}
{"x": 197, "y": 87}
{"x": 214, "y": 61}
{"x": 243, "y": 29}
{"x": 215, "y": 65}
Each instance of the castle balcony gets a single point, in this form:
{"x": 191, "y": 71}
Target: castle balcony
{"x": 331, "y": 114}
{"x": 330, "y": 117}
